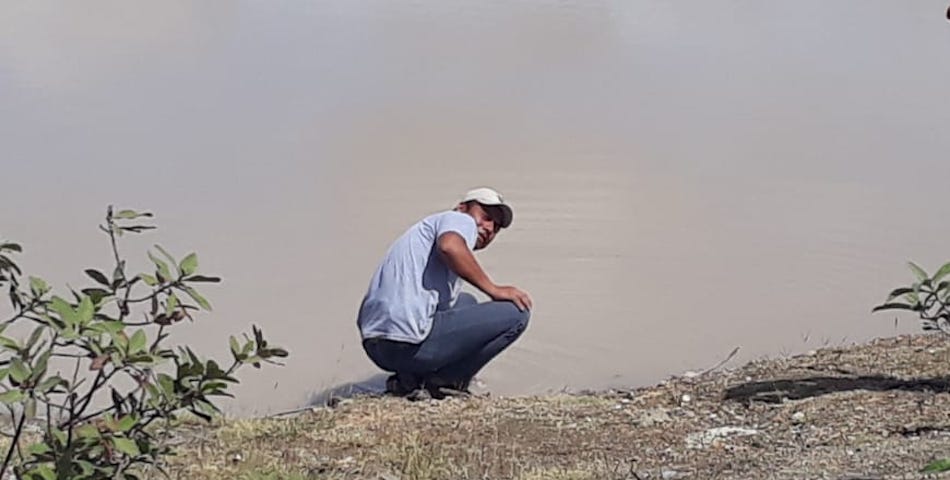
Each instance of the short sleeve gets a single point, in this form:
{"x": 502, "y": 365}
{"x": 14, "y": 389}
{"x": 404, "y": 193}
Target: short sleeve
{"x": 460, "y": 223}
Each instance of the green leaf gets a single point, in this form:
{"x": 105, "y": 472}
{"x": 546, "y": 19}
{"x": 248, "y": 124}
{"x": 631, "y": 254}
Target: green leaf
{"x": 118, "y": 275}
{"x": 138, "y": 341}
{"x": 49, "y": 384}
{"x": 942, "y": 272}
{"x": 29, "y": 408}
{"x": 107, "y": 327}
{"x": 121, "y": 340}
{"x": 59, "y": 435}
{"x": 39, "y": 369}
{"x": 44, "y": 472}
{"x": 893, "y": 306}
{"x": 898, "y": 292}
{"x": 168, "y": 384}
{"x": 64, "y": 309}
{"x": 918, "y": 272}
{"x": 88, "y": 432}
{"x": 39, "y": 449}
{"x": 941, "y": 465}
{"x": 96, "y": 294}
{"x": 11, "y": 247}
{"x": 19, "y": 371}
{"x": 164, "y": 274}
{"x": 12, "y": 396}
{"x": 38, "y": 286}
{"x": 9, "y": 344}
{"x": 148, "y": 279}
{"x": 171, "y": 303}
{"x": 213, "y": 370}
{"x": 85, "y": 311}
{"x": 98, "y": 276}
{"x": 126, "y": 423}
{"x": 189, "y": 264}
{"x": 130, "y": 214}
{"x": 202, "y": 278}
{"x": 167, "y": 255}
{"x": 34, "y": 337}
{"x": 87, "y": 467}
{"x": 278, "y": 352}
{"x": 235, "y": 348}
{"x": 198, "y": 298}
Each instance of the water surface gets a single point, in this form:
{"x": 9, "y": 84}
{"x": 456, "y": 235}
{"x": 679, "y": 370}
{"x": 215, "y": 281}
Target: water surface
{"x": 687, "y": 178}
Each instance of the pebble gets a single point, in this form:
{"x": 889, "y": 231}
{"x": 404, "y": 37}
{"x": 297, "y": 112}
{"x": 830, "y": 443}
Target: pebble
{"x": 671, "y": 475}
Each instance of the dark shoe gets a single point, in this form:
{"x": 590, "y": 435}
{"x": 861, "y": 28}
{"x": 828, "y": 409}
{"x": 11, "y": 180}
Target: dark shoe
{"x": 400, "y": 386}
{"x": 418, "y": 395}
{"x": 440, "y": 389}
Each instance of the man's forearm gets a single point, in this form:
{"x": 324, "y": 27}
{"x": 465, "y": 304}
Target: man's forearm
{"x": 460, "y": 259}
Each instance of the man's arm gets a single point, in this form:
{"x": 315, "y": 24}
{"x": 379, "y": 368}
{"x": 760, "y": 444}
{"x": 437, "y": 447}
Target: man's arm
{"x": 460, "y": 259}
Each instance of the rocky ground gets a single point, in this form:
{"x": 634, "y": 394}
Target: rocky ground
{"x": 874, "y": 411}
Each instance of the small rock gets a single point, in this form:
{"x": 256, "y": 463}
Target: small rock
{"x": 671, "y": 474}
{"x": 690, "y": 374}
{"x": 713, "y": 435}
{"x": 650, "y": 418}
{"x": 932, "y": 351}
{"x": 798, "y": 418}
{"x": 686, "y": 398}
{"x": 812, "y": 353}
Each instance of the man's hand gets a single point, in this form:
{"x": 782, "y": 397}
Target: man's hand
{"x": 460, "y": 259}
{"x": 513, "y": 294}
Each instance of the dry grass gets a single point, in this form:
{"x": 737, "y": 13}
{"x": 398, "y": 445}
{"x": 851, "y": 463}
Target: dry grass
{"x": 876, "y": 410}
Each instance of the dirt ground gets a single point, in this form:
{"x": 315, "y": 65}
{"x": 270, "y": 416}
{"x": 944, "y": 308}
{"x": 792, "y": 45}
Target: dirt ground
{"x": 879, "y": 410}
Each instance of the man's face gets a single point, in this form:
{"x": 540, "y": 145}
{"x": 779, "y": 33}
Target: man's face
{"x": 487, "y": 219}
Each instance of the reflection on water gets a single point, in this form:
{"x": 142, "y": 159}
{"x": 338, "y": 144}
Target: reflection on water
{"x": 686, "y": 178}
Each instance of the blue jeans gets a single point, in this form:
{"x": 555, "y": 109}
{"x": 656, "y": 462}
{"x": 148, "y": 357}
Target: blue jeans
{"x": 463, "y": 339}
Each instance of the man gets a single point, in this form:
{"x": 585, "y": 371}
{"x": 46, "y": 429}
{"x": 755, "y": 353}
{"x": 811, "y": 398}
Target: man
{"x": 413, "y": 320}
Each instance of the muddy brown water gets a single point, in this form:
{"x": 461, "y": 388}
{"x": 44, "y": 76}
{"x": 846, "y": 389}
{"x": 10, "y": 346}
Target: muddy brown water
{"x": 687, "y": 178}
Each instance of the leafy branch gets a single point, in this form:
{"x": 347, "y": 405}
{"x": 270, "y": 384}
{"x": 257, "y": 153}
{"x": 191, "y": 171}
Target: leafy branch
{"x": 99, "y": 421}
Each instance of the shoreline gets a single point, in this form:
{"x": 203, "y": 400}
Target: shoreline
{"x": 875, "y": 410}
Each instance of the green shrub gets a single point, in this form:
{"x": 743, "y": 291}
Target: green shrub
{"x": 111, "y": 415}
{"x": 928, "y": 297}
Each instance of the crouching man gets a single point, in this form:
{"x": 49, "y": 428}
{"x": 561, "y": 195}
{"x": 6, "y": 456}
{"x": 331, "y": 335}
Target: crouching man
{"x": 414, "y": 321}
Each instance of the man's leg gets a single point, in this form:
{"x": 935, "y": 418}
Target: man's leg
{"x": 464, "y": 339}
{"x": 395, "y": 357}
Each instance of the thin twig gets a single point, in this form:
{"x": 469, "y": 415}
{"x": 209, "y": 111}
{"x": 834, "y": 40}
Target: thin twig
{"x": 13, "y": 444}
{"x": 732, "y": 354}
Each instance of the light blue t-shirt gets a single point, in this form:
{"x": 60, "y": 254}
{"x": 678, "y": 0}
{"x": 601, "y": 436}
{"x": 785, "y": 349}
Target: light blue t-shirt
{"x": 413, "y": 281}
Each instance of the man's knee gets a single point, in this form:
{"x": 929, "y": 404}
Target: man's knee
{"x": 524, "y": 317}
{"x": 519, "y": 320}
{"x": 465, "y": 299}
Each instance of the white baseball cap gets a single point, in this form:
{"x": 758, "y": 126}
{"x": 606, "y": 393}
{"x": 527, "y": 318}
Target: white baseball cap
{"x": 489, "y": 197}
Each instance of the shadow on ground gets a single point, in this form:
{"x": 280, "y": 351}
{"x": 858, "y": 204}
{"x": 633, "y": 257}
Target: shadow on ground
{"x": 374, "y": 385}
{"x": 777, "y": 391}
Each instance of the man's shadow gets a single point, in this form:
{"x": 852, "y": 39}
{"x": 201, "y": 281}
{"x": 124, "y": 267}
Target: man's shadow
{"x": 371, "y": 386}
{"x": 777, "y": 391}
